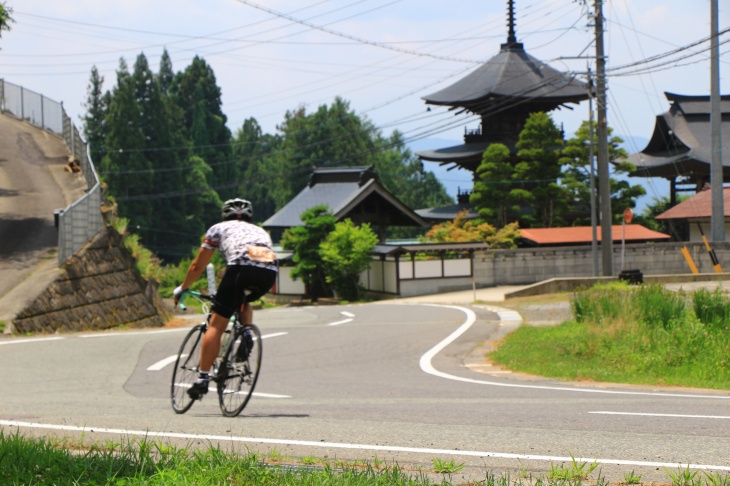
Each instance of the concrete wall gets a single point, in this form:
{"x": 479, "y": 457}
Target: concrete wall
{"x": 98, "y": 288}
{"x": 527, "y": 266}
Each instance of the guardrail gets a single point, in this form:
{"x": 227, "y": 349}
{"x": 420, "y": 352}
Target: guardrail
{"x": 81, "y": 220}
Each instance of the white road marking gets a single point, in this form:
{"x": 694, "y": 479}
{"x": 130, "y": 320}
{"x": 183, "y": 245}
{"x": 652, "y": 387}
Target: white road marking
{"x": 276, "y": 334}
{"x": 427, "y": 367}
{"x": 673, "y": 415}
{"x": 171, "y": 359}
{"x": 134, "y": 333}
{"x": 347, "y": 314}
{"x": 30, "y": 340}
{"x": 370, "y": 447}
{"x": 164, "y": 362}
{"x": 345, "y": 321}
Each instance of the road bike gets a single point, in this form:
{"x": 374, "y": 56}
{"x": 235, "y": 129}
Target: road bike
{"x": 235, "y": 370}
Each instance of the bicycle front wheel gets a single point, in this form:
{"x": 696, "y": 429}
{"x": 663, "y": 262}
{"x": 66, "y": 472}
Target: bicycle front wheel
{"x": 185, "y": 372}
{"x": 240, "y": 370}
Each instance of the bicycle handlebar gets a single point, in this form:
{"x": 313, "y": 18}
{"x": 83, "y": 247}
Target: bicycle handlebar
{"x": 193, "y": 293}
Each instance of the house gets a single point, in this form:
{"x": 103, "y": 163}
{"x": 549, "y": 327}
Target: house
{"x": 692, "y": 217}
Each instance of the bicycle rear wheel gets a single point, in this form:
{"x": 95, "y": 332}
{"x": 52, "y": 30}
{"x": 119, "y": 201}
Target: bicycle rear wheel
{"x": 240, "y": 370}
{"x": 185, "y": 372}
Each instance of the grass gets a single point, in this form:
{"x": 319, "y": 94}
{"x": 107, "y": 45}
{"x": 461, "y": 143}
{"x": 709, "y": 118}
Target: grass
{"x": 25, "y": 461}
{"x": 630, "y": 334}
{"x": 40, "y": 461}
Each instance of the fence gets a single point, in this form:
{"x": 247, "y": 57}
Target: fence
{"x": 81, "y": 220}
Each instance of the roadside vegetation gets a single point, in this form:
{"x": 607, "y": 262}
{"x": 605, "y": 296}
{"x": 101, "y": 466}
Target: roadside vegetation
{"x": 36, "y": 461}
{"x": 620, "y": 333}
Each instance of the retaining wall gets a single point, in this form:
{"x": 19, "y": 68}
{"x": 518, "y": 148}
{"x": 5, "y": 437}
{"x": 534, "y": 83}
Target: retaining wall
{"x": 99, "y": 288}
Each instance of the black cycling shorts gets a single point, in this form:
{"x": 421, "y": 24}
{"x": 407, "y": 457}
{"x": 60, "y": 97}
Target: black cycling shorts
{"x": 241, "y": 282}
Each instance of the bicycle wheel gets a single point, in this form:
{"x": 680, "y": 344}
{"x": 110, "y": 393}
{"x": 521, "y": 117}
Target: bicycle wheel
{"x": 239, "y": 371}
{"x": 185, "y": 372}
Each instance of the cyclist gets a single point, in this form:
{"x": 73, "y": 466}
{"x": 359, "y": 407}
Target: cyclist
{"x": 250, "y": 273}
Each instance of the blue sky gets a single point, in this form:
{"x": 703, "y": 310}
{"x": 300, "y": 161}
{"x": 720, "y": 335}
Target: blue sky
{"x": 271, "y": 56}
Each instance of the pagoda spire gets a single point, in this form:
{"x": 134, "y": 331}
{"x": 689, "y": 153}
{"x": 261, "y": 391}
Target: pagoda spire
{"x": 511, "y": 43}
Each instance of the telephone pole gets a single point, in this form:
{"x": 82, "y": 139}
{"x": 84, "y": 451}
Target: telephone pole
{"x": 604, "y": 183}
{"x": 717, "y": 220}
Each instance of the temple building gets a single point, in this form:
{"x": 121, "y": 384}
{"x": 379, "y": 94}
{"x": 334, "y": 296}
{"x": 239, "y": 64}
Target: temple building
{"x": 504, "y": 91}
{"x": 680, "y": 148}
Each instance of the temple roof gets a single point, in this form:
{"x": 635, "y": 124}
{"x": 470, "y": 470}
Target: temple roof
{"x": 512, "y": 74}
{"x": 352, "y": 192}
{"x": 681, "y": 144}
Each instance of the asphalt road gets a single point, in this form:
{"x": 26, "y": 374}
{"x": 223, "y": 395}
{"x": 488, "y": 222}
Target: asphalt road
{"x": 386, "y": 381}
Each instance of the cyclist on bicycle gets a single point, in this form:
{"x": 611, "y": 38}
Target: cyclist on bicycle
{"x": 250, "y": 273}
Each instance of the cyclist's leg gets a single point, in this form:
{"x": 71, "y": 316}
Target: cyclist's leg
{"x": 246, "y": 313}
{"x": 212, "y": 340}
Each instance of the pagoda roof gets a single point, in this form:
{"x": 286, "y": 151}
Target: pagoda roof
{"x": 513, "y": 74}
{"x": 467, "y": 155}
{"x": 681, "y": 143}
{"x": 351, "y": 192}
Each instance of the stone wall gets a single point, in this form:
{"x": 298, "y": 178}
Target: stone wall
{"x": 99, "y": 288}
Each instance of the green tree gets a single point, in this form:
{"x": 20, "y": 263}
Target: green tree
{"x": 196, "y": 92}
{"x": 336, "y": 136}
{"x": 304, "y": 241}
{"x": 255, "y": 155}
{"x": 492, "y": 191}
{"x": 5, "y": 18}
{"x": 402, "y": 174}
{"x": 124, "y": 166}
{"x": 346, "y": 252}
{"x": 166, "y": 75}
{"x": 576, "y": 175}
{"x": 538, "y": 169}
{"x": 96, "y": 111}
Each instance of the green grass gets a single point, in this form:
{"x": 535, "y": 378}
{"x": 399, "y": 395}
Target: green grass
{"x": 25, "y": 461}
{"x": 39, "y": 461}
{"x": 630, "y": 334}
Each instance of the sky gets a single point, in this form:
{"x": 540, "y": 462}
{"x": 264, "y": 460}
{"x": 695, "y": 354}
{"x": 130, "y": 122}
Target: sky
{"x": 382, "y": 56}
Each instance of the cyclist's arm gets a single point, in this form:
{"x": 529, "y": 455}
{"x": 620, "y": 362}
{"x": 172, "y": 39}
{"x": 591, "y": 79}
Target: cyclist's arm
{"x": 196, "y": 268}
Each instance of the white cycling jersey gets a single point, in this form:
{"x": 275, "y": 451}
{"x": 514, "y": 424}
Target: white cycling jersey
{"x": 241, "y": 243}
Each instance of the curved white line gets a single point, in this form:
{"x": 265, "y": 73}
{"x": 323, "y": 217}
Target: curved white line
{"x": 427, "y": 367}
{"x": 370, "y": 447}
{"x": 29, "y": 340}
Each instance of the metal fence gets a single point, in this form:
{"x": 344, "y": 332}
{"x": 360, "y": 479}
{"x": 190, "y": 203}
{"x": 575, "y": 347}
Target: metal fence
{"x": 82, "y": 219}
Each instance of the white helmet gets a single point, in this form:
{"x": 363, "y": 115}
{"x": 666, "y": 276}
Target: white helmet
{"x": 237, "y": 206}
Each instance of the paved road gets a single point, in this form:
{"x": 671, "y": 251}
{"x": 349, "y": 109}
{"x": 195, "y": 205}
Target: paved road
{"x": 387, "y": 381}
{"x": 33, "y": 183}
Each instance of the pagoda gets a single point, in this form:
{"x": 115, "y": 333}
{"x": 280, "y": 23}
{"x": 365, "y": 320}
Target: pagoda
{"x": 680, "y": 148}
{"x": 503, "y": 92}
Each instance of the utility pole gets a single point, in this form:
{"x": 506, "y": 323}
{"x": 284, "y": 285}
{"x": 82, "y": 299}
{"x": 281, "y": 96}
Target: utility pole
{"x": 604, "y": 183}
{"x": 591, "y": 150}
{"x": 716, "y": 172}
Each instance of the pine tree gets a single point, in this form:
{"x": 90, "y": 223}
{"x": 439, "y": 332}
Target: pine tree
{"x": 196, "y": 93}
{"x": 96, "y": 110}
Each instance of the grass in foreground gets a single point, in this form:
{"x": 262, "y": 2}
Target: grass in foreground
{"x": 29, "y": 461}
{"x": 25, "y": 461}
{"x": 629, "y": 334}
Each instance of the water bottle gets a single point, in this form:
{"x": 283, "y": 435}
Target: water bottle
{"x": 210, "y": 270}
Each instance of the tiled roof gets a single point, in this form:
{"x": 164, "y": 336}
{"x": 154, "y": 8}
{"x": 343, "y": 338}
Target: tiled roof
{"x": 584, "y": 234}
{"x": 697, "y": 206}
{"x": 349, "y": 193}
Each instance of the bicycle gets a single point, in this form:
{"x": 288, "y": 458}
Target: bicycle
{"x": 235, "y": 370}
